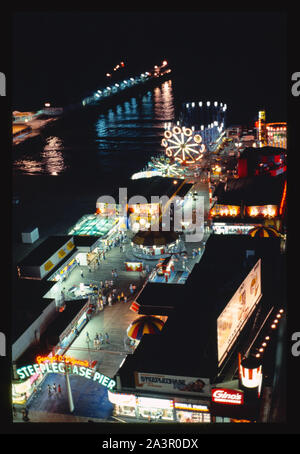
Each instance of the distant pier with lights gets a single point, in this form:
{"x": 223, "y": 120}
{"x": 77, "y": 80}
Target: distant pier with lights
{"x": 29, "y": 124}
{"x": 158, "y": 72}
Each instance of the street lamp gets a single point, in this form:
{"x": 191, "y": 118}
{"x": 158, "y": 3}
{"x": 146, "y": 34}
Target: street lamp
{"x": 68, "y": 386}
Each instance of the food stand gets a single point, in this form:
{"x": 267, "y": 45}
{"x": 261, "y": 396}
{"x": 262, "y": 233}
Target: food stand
{"x": 134, "y": 266}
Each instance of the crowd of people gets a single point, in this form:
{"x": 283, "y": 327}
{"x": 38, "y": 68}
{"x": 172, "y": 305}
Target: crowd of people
{"x": 53, "y": 389}
{"x": 99, "y": 339}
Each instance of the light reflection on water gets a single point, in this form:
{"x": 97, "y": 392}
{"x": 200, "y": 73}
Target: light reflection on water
{"x": 136, "y": 124}
{"x": 90, "y": 142}
{"x": 49, "y": 161}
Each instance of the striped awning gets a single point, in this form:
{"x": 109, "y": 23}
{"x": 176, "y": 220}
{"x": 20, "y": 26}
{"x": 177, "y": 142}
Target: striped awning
{"x": 144, "y": 325}
{"x": 152, "y": 238}
{"x": 135, "y": 306}
{"x": 264, "y": 232}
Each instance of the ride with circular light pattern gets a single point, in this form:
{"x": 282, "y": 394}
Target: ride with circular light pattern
{"x": 183, "y": 145}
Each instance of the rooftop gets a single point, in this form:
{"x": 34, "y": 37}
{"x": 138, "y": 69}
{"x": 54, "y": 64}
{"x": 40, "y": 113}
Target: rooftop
{"x": 50, "y": 337}
{"x": 256, "y": 190}
{"x": 45, "y": 250}
{"x": 155, "y": 186}
{"x": 250, "y": 152}
{"x": 85, "y": 240}
{"x": 28, "y": 303}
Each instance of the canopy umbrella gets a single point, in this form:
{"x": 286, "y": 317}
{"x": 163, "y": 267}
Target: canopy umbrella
{"x": 144, "y": 325}
{"x": 264, "y": 232}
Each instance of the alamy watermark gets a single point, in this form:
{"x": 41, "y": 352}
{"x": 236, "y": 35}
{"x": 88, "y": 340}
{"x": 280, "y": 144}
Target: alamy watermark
{"x": 296, "y": 86}
{"x": 2, "y": 84}
{"x": 2, "y": 344}
{"x": 179, "y": 214}
{"x": 296, "y": 345}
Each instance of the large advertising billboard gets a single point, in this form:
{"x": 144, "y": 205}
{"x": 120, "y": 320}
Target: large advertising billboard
{"x": 233, "y": 318}
{"x": 172, "y": 384}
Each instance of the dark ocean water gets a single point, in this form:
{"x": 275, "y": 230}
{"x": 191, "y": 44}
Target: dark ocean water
{"x": 87, "y": 153}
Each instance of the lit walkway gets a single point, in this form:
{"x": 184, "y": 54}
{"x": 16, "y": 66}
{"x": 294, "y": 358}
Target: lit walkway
{"x": 113, "y": 320}
{"x": 89, "y": 398}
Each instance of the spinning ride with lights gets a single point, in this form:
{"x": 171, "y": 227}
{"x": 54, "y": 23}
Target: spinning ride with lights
{"x": 182, "y": 145}
{"x": 166, "y": 168}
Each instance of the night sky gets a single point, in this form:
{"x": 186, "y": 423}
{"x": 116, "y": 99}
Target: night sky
{"x": 237, "y": 58}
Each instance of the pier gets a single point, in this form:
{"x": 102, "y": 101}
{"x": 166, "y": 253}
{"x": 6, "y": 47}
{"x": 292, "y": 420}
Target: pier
{"x": 31, "y": 127}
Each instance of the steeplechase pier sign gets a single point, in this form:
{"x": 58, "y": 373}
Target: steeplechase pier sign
{"x": 59, "y": 364}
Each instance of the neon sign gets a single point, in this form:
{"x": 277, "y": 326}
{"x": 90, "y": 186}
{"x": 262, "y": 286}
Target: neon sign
{"x": 64, "y": 359}
{"x": 60, "y": 367}
{"x": 227, "y": 396}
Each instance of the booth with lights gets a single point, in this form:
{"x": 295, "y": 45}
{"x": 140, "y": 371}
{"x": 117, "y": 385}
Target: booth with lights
{"x": 224, "y": 210}
{"x": 155, "y": 244}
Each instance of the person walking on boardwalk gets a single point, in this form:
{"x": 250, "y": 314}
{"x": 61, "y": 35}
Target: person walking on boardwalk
{"x": 59, "y": 389}
{"x": 87, "y": 337}
{"x": 107, "y": 338}
{"x": 49, "y": 390}
{"x": 25, "y": 414}
{"x": 95, "y": 343}
{"x": 54, "y": 387}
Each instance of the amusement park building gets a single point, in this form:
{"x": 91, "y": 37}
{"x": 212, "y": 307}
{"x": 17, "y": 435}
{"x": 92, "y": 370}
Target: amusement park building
{"x": 205, "y": 118}
{"x": 252, "y": 200}
{"x": 38, "y": 282}
{"x": 264, "y": 160}
{"x": 146, "y": 188}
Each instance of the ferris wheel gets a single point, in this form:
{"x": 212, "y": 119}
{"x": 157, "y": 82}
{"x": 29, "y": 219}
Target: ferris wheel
{"x": 183, "y": 145}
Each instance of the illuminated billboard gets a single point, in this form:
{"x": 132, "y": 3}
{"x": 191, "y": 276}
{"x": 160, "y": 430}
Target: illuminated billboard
{"x": 236, "y": 313}
{"x": 172, "y": 384}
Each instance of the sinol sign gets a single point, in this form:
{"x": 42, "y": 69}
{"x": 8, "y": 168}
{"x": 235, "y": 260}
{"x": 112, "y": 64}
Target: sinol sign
{"x": 60, "y": 367}
{"x": 227, "y": 396}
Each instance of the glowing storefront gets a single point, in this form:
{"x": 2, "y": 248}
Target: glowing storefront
{"x": 224, "y": 210}
{"x": 277, "y": 134}
{"x": 178, "y": 409}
